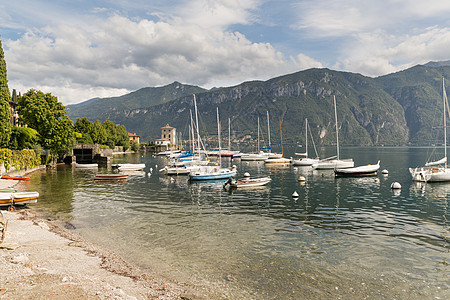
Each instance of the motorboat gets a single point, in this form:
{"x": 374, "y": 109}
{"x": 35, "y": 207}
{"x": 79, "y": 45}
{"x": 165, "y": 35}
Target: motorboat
{"x": 366, "y": 170}
{"x": 93, "y": 165}
{"x": 129, "y": 167}
{"x": 247, "y": 182}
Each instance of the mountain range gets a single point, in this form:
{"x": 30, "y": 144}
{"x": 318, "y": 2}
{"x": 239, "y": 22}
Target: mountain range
{"x": 403, "y": 108}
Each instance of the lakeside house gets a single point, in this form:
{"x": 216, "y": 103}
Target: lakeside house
{"x": 168, "y": 139}
{"x": 133, "y": 137}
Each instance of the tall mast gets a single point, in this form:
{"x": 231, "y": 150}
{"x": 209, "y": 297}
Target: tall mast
{"x": 444, "y": 98}
{"x": 337, "y": 130}
{"x": 218, "y": 135}
{"x": 257, "y": 150}
{"x": 229, "y": 135}
{"x": 306, "y": 136}
{"x": 191, "y": 133}
{"x": 268, "y": 130}
{"x": 196, "y": 121}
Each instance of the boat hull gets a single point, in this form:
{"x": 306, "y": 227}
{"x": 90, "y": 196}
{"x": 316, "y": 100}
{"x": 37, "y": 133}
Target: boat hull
{"x": 334, "y": 164}
{"x": 305, "y": 162}
{"x": 250, "y": 182}
{"x": 430, "y": 174}
{"x": 212, "y": 174}
{"x": 110, "y": 177}
{"x": 368, "y": 170}
{"x": 7, "y": 199}
{"x": 15, "y": 177}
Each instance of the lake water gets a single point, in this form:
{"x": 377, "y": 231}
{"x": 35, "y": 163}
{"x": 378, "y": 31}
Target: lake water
{"x": 351, "y": 238}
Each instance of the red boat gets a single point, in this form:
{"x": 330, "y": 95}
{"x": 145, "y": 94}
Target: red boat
{"x": 15, "y": 177}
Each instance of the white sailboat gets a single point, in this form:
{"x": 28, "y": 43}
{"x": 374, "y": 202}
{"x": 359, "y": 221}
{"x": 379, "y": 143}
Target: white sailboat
{"x": 334, "y": 162}
{"x": 306, "y": 161}
{"x": 435, "y": 171}
{"x": 261, "y": 155}
{"x": 213, "y": 172}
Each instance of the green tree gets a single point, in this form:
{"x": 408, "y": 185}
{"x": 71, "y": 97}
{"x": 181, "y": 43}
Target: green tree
{"x": 122, "y": 137}
{"x": 22, "y": 138}
{"x": 84, "y": 127}
{"x": 5, "y": 115}
{"x": 111, "y": 133}
{"x": 98, "y": 133}
{"x": 47, "y": 115}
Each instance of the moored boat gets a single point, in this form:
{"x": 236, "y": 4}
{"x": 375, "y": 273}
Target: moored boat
{"x": 248, "y": 182}
{"x": 15, "y": 177}
{"x": 12, "y": 198}
{"x": 77, "y": 165}
{"x": 366, "y": 170}
{"x": 129, "y": 167}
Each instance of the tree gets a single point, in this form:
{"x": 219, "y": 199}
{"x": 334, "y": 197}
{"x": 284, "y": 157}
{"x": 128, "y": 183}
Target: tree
{"x": 48, "y": 117}
{"x": 5, "y": 115}
{"x": 122, "y": 137}
{"x": 111, "y": 135}
{"x": 22, "y": 138}
{"x": 98, "y": 133}
{"x": 85, "y": 128}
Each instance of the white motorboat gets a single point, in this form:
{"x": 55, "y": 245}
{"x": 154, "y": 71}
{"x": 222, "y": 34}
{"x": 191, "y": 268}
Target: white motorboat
{"x": 129, "y": 167}
{"x": 248, "y": 182}
{"x": 77, "y": 165}
{"x": 366, "y": 170}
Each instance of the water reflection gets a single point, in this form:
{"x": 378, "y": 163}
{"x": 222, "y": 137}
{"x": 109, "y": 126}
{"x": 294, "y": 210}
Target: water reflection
{"x": 339, "y": 231}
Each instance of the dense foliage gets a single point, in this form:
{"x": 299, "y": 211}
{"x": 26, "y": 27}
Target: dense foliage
{"x": 96, "y": 133}
{"x": 5, "y": 116}
{"x": 45, "y": 114}
{"x": 19, "y": 159}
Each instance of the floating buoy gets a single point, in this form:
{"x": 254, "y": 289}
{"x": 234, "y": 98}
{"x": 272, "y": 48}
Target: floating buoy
{"x": 246, "y": 174}
{"x": 151, "y": 170}
{"x": 247, "y": 163}
{"x": 295, "y": 169}
{"x": 301, "y": 178}
{"x": 295, "y": 194}
{"x": 385, "y": 171}
{"x": 396, "y": 186}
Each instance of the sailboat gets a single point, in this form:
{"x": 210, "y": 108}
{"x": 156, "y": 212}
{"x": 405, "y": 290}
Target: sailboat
{"x": 306, "y": 161}
{"x": 213, "y": 172}
{"x": 435, "y": 171}
{"x": 261, "y": 155}
{"x": 334, "y": 162}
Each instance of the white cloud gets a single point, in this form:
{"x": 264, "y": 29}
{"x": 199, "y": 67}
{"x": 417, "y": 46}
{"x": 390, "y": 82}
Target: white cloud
{"x": 378, "y": 54}
{"x": 123, "y": 55}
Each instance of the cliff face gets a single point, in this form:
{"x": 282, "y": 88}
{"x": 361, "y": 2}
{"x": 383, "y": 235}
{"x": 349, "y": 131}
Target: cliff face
{"x": 389, "y": 110}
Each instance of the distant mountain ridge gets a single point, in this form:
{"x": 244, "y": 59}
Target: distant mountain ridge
{"x": 395, "y": 109}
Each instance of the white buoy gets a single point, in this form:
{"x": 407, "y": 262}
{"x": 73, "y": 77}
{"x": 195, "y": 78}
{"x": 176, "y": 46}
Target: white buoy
{"x": 246, "y": 174}
{"x": 301, "y": 178}
{"x": 396, "y": 186}
{"x": 385, "y": 172}
{"x": 295, "y": 169}
{"x": 295, "y": 194}
{"x": 151, "y": 170}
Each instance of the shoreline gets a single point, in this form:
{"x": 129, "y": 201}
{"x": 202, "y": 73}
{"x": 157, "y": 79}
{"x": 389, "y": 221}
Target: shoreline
{"x": 40, "y": 258}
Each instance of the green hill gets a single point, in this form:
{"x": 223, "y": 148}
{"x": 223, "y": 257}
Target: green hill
{"x": 395, "y": 109}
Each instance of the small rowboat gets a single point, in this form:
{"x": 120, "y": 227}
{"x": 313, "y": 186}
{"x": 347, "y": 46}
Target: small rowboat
{"x": 12, "y": 198}
{"x": 110, "y": 177}
{"x": 86, "y": 165}
{"x": 248, "y": 182}
{"x": 15, "y": 177}
{"x": 129, "y": 167}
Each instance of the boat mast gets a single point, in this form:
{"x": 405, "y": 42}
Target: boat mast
{"x": 306, "y": 136}
{"x": 268, "y": 130}
{"x": 191, "y": 133}
{"x": 257, "y": 150}
{"x": 196, "y": 121}
{"x": 229, "y": 135}
{"x": 218, "y": 135}
{"x": 444, "y": 98}
{"x": 337, "y": 130}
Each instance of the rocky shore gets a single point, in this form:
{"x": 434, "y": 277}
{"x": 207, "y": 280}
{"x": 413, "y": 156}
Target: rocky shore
{"x": 40, "y": 259}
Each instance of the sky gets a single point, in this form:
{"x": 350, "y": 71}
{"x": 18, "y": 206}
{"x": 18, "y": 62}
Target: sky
{"x": 81, "y": 49}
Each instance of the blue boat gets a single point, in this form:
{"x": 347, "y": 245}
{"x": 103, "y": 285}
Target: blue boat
{"x": 212, "y": 173}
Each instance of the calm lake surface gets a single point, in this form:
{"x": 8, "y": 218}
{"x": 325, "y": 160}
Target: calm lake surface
{"x": 352, "y": 238}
